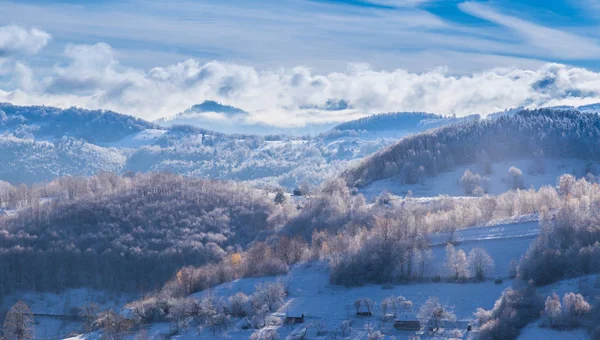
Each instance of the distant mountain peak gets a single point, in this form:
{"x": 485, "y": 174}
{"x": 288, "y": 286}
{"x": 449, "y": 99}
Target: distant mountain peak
{"x": 214, "y": 106}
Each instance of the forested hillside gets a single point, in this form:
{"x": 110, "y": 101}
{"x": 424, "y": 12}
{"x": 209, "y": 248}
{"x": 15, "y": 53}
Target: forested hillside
{"x": 46, "y": 122}
{"x": 527, "y": 134}
{"x": 125, "y": 233}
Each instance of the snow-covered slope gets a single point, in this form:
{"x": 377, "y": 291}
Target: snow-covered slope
{"x": 448, "y": 183}
{"x": 504, "y": 243}
{"x": 311, "y": 293}
{"x": 28, "y": 160}
{"x": 136, "y": 140}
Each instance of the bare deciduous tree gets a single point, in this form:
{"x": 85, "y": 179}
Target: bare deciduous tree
{"x": 18, "y": 324}
{"x": 433, "y": 311}
{"x": 481, "y": 264}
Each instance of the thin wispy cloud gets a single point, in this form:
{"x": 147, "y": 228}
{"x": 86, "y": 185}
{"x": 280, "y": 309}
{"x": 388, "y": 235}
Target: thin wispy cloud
{"x": 557, "y": 43}
{"x": 323, "y": 35}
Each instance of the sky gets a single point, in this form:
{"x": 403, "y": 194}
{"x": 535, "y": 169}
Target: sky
{"x": 276, "y": 58}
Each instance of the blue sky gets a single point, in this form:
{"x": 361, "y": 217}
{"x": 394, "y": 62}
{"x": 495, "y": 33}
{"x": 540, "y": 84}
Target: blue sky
{"x": 154, "y": 58}
{"x": 415, "y": 35}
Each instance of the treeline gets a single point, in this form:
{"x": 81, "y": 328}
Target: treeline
{"x": 127, "y": 233}
{"x": 549, "y": 132}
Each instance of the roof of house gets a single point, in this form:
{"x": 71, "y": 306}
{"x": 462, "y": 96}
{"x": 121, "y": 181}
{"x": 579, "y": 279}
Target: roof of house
{"x": 363, "y": 309}
{"x": 406, "y": 317}
{"x": 243, "y": 322}
{"x": 291, "y": 314}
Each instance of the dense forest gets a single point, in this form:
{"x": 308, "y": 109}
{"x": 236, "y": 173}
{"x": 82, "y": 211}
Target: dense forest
{"x": 552, "y": 133}
{"x": 125, "y": 233}
{"x": 94, "y": 126}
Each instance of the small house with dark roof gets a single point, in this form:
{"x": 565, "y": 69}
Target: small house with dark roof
{"x": 294, "y": 317}
{"x": 407, "y": 322}
{"x": 363, "y": 311}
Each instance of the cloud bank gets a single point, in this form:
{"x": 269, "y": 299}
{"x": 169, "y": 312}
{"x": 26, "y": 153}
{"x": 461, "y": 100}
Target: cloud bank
{"x": 16, "y": 40}
{"x": 92, "y": 77}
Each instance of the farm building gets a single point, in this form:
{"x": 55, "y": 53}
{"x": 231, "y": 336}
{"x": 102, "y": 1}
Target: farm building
{"x": 294, "y": 317}
{"x": 407, "y": 322}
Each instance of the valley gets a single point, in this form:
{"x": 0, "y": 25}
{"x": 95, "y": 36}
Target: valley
{"x": 165, "y": 253}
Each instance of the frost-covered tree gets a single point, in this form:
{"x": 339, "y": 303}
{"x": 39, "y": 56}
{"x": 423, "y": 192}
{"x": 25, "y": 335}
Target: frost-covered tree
{"x": 481, "y": 264}
{"x": 566, "y": 184}
{"x": 18, "y": 324}
{"x": 270, "y": 294}
{"x": 456, "y": 263}
{"x": 88, "y": 313}
{"x": 387, "y": 304}
{"x": 512, "y": 311}
{"x": 472, "y": 181}
{"x": 280, "y": 197}
{"x": 568, "y": 314}
{"x": 376, "y": 335}
{"x": 345, "y": 327}
{"x": 239, "y": 304}
{"x": 515, "y": 178}
{"x": 113, "y": 325}
{"x": 432, "y": 311}
{"x": 575, "y": 305}
{"x": 265, "y": 334}
{"x": 552, "y": 315}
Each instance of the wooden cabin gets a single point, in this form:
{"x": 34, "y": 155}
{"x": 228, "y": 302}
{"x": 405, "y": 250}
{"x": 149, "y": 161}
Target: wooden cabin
{"x": 407, "y": 322}
{"x": 294, "y": 317}
{"x": 244, "y": 324}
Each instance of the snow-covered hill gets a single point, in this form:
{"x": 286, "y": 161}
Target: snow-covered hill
{"x": 41, "y": 143}
{"x": 448, "y": 183}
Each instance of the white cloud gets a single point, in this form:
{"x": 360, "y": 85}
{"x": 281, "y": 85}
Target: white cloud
{"x": 16, "y": 40}
{"x": 557, "y": 43}
{"x": 93, "y": 78}
{"x": 271, "y": 34}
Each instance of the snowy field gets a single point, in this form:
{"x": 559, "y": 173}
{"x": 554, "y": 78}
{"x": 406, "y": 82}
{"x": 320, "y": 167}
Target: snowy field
{"x": 447, "y": 183}
{"x": 504, "y": 243}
